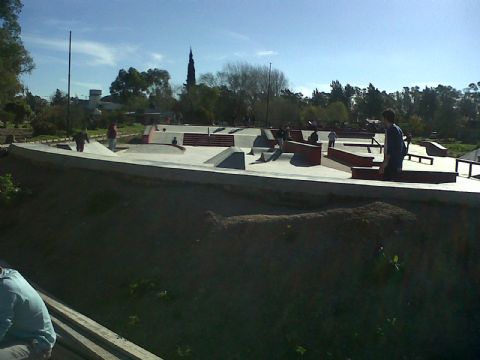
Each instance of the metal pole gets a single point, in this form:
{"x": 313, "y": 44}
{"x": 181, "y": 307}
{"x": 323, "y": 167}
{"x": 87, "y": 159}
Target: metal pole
{"x": 68, "y": 95}
{"x": 268, "y": 95}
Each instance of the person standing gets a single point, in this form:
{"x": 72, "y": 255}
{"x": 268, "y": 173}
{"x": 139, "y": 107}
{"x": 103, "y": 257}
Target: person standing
{"x": 332, "y": 136}
{"x": 280, "y": 135}
{"x": 313, "y": 139}
{"x": 112, "y": 133}
{"x": 80, "y": 137}
{"x": 408, "y": 139}
{"x": 395, "y": 149}
{"x": 26, "y": 330}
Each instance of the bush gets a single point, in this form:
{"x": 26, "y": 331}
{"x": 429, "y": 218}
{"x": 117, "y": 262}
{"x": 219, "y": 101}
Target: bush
{"x": 41, "y": 127}
{"x": 8, "y": 190}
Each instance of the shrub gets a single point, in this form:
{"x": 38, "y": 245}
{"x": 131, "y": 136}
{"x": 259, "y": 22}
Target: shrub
{"x": 8, "y": 190}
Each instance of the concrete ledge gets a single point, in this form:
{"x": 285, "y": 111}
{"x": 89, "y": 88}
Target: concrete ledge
{"x": 408, "y": 176}
{"x": 301, "y": 187}
{"x": 434, "y": 149}
{"x": 349, "y": 158}
{"x": 312, "y": 153}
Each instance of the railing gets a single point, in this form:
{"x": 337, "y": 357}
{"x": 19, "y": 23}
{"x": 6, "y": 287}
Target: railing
{"x": 376, "y": 141}
{"x": 420, "y": 158}
{"x": 470, "y": 165}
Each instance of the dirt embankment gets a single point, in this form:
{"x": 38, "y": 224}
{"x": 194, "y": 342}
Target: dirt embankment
{"x": 202, "y": 273}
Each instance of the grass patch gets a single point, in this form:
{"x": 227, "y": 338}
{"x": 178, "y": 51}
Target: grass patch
{"x": 455, "y": 147}
{"x": 458, "y": 149}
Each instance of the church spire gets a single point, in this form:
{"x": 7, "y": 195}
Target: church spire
{"x": 191, "y": 70}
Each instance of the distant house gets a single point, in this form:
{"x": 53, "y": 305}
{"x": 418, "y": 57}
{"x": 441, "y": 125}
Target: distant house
{"x": 95, "y": 101}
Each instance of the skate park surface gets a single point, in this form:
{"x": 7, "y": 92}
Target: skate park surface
{"x": 336, "y": 177}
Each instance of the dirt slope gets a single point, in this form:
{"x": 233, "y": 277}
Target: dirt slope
{"x": 203, "y": 273}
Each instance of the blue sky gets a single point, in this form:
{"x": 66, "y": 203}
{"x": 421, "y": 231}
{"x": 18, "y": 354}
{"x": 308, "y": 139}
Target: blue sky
{"x": 391, "y": 43}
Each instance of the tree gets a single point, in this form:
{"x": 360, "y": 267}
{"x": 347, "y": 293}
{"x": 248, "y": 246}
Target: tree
{"x": 159, "y": 89}
{"x": 59, "y": 98}
{"x": 198, "y": 104}
{"x": 20, "y": 109}
{"x": 139, "y": 90}
{"x": 128, "y": 84}
{"x": 35, "y": 102}
{"x": 14, "y": 58}
{"x": 319, "y": 98}
{"x": 336, "y": 114}
{"x": 417, "y": 125}
{"x": 190, "y": 71}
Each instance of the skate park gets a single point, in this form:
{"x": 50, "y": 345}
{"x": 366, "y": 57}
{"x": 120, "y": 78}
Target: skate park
{"x": 236, "y": 156}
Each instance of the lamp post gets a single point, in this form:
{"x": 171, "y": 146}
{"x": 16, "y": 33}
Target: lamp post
{"x": 268, "y": 95}
{"x": 68, "y": 95}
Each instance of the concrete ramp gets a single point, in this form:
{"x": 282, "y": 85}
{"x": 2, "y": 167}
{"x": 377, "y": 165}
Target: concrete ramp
{"x": 267, "y": 156}
{"x": 231, "y": 158}
{"x": 94, "y": 147}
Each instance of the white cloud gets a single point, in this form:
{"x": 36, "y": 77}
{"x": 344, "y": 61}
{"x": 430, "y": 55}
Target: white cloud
{"x": 237, "y": 36}
{"x": 263, "y": 53}
{"x": 157, "y": 57}
{"x": 98, "y": 53}
{"x": 87, "y": 85}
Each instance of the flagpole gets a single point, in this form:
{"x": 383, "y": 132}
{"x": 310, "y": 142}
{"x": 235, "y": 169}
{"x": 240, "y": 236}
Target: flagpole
{"x": 268, "y": 94}
{"x": 68, "y": 95}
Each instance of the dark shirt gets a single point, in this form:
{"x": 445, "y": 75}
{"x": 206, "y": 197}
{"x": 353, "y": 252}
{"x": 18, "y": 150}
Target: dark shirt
{"x": 280, "y": 134}
{"x": 395, "y": 146}
{"x": 81, "y": 137}
{"x": 314, "y": 138}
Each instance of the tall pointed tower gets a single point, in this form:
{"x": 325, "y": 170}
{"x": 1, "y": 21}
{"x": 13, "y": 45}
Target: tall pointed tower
{"x": 191, "y": 70}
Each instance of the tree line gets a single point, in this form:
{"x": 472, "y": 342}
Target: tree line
{"x": 237, "y": 92}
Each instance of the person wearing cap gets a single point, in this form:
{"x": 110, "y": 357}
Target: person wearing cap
{"x": 26, "y": 330}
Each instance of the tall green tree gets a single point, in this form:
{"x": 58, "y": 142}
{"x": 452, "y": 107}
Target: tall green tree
{"x": 14, "y": 58}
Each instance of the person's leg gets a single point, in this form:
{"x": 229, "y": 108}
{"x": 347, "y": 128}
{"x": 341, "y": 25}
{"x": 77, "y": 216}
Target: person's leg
{"x": 280, "y": 143}
{"x": 390, "y": 173}
{"x": 110, "y": 144}
{"x": 81, "y": 147}
{"x": 114, "y": 144}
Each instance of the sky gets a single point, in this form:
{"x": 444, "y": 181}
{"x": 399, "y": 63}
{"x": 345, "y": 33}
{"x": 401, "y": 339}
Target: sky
{"x": 389, "y": 43}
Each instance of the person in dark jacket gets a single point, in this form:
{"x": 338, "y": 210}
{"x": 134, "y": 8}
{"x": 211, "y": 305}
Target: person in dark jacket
{"x": 80, "y": 137}
{"x": 112, "y": 133}
{"x": 395, "y": 149}
{"x": 313, "y": 139}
